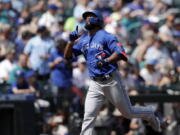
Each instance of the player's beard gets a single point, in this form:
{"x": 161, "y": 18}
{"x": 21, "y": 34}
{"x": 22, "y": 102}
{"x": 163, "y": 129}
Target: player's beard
{"x": 89, "y": 26}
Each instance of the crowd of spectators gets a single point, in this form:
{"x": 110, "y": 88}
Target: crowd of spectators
{"x": 34, "y": 33}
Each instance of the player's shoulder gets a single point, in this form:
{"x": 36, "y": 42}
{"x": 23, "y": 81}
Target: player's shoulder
{"x": 83, "y": 39}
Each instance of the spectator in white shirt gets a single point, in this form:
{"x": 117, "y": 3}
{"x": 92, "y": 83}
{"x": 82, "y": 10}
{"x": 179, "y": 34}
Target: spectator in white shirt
{"x": 80, "y": 74}
{"x": 49, "y": 18}
{"x": 160, "y": 53}
{"x": 166, "y": 30}
{"x": 150, "y": 74}
{"x": 6, "y": 66}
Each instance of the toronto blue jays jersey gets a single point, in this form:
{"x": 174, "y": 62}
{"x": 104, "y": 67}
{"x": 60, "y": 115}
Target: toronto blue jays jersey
{"x": 98, "y": 46}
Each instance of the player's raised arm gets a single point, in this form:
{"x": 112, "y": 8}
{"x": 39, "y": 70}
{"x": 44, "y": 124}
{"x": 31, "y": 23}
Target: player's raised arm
{"x": 118, "y": 53}
{"x": 117, "y": 49}
{"x": 73, "y": 36}
{"x": 116, "y": 57}
{"x": 68, "y": 50}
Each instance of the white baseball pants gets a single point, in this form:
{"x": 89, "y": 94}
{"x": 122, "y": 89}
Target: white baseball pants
{"x": 114, "y": 91}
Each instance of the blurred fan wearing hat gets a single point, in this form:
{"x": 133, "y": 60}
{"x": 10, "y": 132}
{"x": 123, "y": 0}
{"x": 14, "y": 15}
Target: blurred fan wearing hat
{"x": 9, "y": 14}
{"x": 7, "y": 65}
{"x": 61, "y": 73}
{"x": 21, "y": 86}
{"x": 149, "y": 73}
{"x": 38, "y": 49}
{"x": 50, "y": 18}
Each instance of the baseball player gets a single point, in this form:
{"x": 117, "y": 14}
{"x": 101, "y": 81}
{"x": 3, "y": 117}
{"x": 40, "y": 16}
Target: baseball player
{"x": 102, "y": 50}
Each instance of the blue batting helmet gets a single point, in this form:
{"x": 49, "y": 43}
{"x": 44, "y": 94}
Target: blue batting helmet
{"x": 94, "y": 13}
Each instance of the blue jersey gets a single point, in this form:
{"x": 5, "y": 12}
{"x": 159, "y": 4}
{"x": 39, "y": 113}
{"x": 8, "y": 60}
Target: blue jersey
{"x": 100, "y": 45}
{"x": 22, "y": 85}
{"x": 61, "y": 76}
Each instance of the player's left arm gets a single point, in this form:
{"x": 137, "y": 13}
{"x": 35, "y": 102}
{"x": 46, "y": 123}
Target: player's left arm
{"x": 118, "y": 51}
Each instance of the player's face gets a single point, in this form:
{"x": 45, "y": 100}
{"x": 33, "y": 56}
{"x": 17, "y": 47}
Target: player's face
{"x": 88, "y": 24}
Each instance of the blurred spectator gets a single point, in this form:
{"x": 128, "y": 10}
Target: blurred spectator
{"x": 61, "y": 74}
{"x": 166, "y": 30}
{"x": 71, "y": 22}
{"x": 32, "y": 81}
{"x": 57, "y": 122}
{"x": 128, "y": 21}
{"x": 80, "y": 74}
{"x": 105, "y": 119}
{"x": 38, "y": 49}
{"x": 80, "y": 83}
{"x": 18, "y": 4}
{"x": 176, "y": 53}
{"x": 135, "y": 5}
{"x": 131, "y": 77}
{"x": 24, "y": 18}
{"x": 79, "y": 9}
{"x": 160, "y": 54}
{"x": 127, "y": 78}
{"x": 21, "y": 86}
{"x": 136, "y": 127}
{"x": 143, "y": 42}
{"x": 176, "y": 61}
{"x": 6, "y": 66}
{"x": 21, "y": 42}
{"x": 150, "y": 74}
{"x": 137, "y": 78}
{"x": 120, "y": 124}
{"x": 31, "y": 27}
{"x": 175, "y": 125}
{"x": 22, "y": 65}
{"x": 35, "y": 7}
{"x": 75, "y": 122}
{"x": 167, "y": 79}
{"x": 5, "y": 43}
{"x": 158, "y": 7}
{"x": 8, "y": 14}
{"x": 49, "y": 18}
{"x": 32, "y": 5}
{"x": 60, "y": 33}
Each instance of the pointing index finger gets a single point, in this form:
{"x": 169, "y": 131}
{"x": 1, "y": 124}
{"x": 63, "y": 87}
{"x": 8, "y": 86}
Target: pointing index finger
{"x": 77, "y": 28}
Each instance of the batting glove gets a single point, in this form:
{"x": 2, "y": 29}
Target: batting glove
{"x": 102, "y": 63}
{"x": 74, "y": 35}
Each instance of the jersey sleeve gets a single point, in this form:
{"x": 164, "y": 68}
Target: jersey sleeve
{"x": 116, "y": 46}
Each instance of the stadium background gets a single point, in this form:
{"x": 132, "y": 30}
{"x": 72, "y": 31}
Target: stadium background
{"x": 52, "y": 103}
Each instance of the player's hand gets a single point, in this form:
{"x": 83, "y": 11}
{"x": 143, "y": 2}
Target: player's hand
{"x": 102, "y": 63}
{"x": 74, "y": 35}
